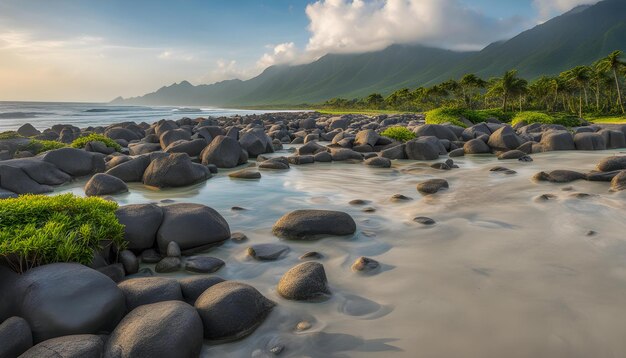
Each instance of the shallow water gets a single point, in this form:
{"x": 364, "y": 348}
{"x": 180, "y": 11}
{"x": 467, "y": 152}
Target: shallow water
{"x": 501, "y": 274}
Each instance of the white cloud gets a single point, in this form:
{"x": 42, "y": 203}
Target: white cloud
{"x": 285, "y": 53}
{"x": 550, "y": 8}
{"x": 228, "y": 70}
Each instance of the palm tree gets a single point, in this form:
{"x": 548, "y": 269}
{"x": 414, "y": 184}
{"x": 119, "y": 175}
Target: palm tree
{"x": 375, "y": 100}
{"x": 580, "y": 76}
{"x": 508, "y": 86}
{"x": 613, "y": 62}
{"x": 469, "y": 83}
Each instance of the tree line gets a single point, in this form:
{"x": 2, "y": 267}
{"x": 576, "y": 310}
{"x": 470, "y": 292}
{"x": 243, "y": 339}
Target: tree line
{"x": 595, "y": 89}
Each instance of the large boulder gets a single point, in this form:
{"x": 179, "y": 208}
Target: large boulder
{"x": 174, "y": 170}
{"x": 223, "y": 152}
{"x": 164, "y": 329}
{"x": 146, "y": 290}
{"x": 504, "y": 139}
{"x": 395, "y": 152}
{"x": 341, "y": 154}
{"x": 435, "y": 130}
{"x": 310, "y": 224}
{"x": 42, "y": 172}
{"x": 16, "y": 180}
{"x": 232, "y": 310}
{"x": 104, "y": 184}
{"x": 612, "y": 164}
{"x": 63, "y": 299}
{"x": 143, "y": 148}
{"x": 613, "y": 138}
{"x": 557, "y": 140}
{"x": 338, "y": 123}
{"x": 559, "y": 176}
{"x": 589, "y": 141}
{"x": 366, "y": 137}
{"x": 132, "y": 170}
{"x": 8, "y": 302}
{"x": 192, "y": 227}
{"x": 256, "y": 142}
{"x": 192, "y": 148}
{"x": 423, "y": 148}
{"x": 75, "y": 162}
{"x": 122, "y": 133}
{"x": 27, "y": 130}
{"x": 73, "y": 346}
{"x": 15, "y": 336}
{"x": 195, "y": 286}
{"x": 173, "y": 135}
{"x": 432, "y": 186}
{"x": 305, "y": 281}
{"x": 141, "y": 223}
{"x": 310, "y": 148}
{"x": 476, "y": 146}
{"x": 618, "y": 183}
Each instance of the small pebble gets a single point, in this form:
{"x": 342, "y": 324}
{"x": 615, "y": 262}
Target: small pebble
{"x": 238, "y": 208}
{"x": 311, "y": 255}
{"x": 424, "y": 220}
{"x": 365, "y": 264}
{"x": 369, "y": 209}
{"x": 359, "y": 202}
{"x": 303, "y": 326}
{"x": 238, "y": 237}
{"x": 400, "y": 197}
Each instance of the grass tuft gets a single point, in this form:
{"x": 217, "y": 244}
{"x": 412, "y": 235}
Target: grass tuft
{"x": 82, "y": 141}
{"x": 401, "y": 134}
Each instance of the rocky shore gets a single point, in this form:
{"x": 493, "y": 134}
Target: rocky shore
{"x": 115, "y": 308}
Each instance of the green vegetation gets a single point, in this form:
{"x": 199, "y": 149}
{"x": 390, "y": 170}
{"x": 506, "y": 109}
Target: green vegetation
{"x": 583, "y": 91}
{"x": 609, "y": 120}
{"x": 401, "y": 134}
{"x": 38, "y": 229}
{"x": 37, "y": 146}
{"x": 543, "y": 118}
{"x": 82, "y": 141}
{"x": 368, "y": 112}
{"x": 9, "y": 135}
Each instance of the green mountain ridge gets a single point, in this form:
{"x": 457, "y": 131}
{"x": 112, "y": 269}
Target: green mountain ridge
{"x": 578, "y": 37}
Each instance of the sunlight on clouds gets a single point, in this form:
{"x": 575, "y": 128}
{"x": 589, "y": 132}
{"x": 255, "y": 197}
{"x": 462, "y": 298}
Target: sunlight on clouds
{"x": 550, "y": 8}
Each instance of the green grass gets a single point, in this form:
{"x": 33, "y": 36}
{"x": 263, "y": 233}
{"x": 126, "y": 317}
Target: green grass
{"x": 453, "y": 115}
{"x": 9, "y": 135}
{"x": 37, "y": 146}
{"x": 38, "y": 229}
{"x": 531, "y": 117}
{"x": 82, "y": 141}
{"x": 368, "y": 112}
{"x": 401, "y": 134}
{"x": 608, "y": 120}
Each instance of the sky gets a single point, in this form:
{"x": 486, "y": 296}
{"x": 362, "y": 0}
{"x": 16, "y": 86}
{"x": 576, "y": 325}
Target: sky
{"x": 94, "y": 50}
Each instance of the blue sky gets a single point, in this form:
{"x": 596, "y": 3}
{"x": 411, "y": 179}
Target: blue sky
{"x": 94, "y": 50}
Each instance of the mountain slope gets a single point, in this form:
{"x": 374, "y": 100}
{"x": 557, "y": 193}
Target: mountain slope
{"x": 578, "y": 37}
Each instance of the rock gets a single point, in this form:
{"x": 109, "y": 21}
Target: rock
{"x": 150, "y": 256}
{"x": 378, "y": 162}
{"x": 146, "y": 290}
{"x": 459, "y": 152}
{"x": 122, "y": 133}
{"x": 612, "y": 163}
{"x": 424, "y": 148}
{"x": 232, "y": 310}
{"x": 75, "y": 162}
{"x": 168, "y": 264}
{"x": 238, "y": 237}
{"x": 559, "y": 176}
{"x": 307, "y": 123}
{"x": 203, "y": 264}
{"x": 311, "y": 255}
{"x": 72, "y": 346}
{"x": 400, "y": 198}
{"x": 342, "y": 154}
{"x": 338, "y": 122}
{"x": 323, "y": 157}
{"x": 276, "y": 164}
{"x": 62, "y": 299}
{"x": 245, "y": 174}
{"x": 27, "y": 130}
{"x": 224, "y": 152}
{"x": 310, "y": 148}
{"x": 424, "y": 220}
{"x": 15, "y": 337}
{"x": 130, "y": 171}
{"x": 41, "y": 172}
{"x": 308, "y": 224}
{"x": 503, "y": 170}
{"x": 396, "y": 152}
{"x": 366, "y": 137}
{"x": 613, "y": 138}
{"x": 432, "y": 186}
{"x": 99, "y": 147}
{"x": 476, "y": 146}
{"x": 256, "y": 142}
{"x": 267, "y": 252}
{"x": 104, "y": 184}
{"x": 601, "y": 176}
{"x": 504, "y": 139}
{"x": 129, "y": 261}
{"x": 143, "y": 148}
{"x": 115, "y": 272}
{"x": 194, "y": 286}
{"x": 365, "y": 264}
{"x": 589, "y": 141}
{"x": 17, "y": 181}
{"x": 437, "y": 131}
{"x": 512, "y": 154}
{"x": 141, "y": 222}
{"x": 619, "y": 182}
{"x": 173, "y": 250}
{"x": 174, "y": 170}
{"x": 192, "y": 227}
{"x": 163, "y": 329}
{"x": 557, "y": 140}
{"x": 192, "y": 148}
{"x": 305, "y": 281}
{"x": 172, "y": 136}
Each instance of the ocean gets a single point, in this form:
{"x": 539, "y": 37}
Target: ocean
{"x": 44, "y": 115}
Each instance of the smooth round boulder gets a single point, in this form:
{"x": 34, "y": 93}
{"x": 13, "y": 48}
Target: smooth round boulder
{"x": 195, "y": 286}
{"x": 476, "y": 146}
{"x": 245, "y": 174}
{"x": 311, "y": 224}
{"x": 174, "y": 170}
{"x": 173, "y": 135}
{"x": 192, "y": 148}
{"x": 232, "y": 310}
{"x": 423, "y": 148}
{"x": 618, "y": 183}
{"x": 365, "y": 264}
{"x": 432, "y": 186}
{"x": 191, "y": 226}
{"x": 131, "y": 170}
{"x": 267, "y": 252}
{"x": 512, "y": 154}
{"x": 104, "y": 184}
{"x": 223, "y": 151}
{"x": 559, "y": 176}
{"x": 557, "y": 140}
{"x": 305, "y": 281}
{"x": 203, "y": 264}
{"x": 504, "y": 139}
{"x": 73, "y": 346}
{"x": 27, "y": 130}
{"x": 75, "y": 162}
{"x": 612, "y": 164}
{"x": 158, "y": 330}
{"x": 589, "y": 141}
{"x": 64, "y": 298}
{"x": 15, "y": 337}
{"x": 146, "y": 290}
{"x": 141, "y": 223}
{"x": 378, "y": 162}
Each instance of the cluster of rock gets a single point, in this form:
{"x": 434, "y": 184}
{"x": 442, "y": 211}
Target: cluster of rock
{"x": 113, "y": 309}
{"x": 610, "y": 169}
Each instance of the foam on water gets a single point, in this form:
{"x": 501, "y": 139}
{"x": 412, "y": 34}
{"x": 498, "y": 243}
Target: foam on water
{"x": 499, "y": 274}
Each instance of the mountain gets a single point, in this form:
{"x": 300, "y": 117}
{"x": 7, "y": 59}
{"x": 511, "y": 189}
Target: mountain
{"x": 578, "y": 37}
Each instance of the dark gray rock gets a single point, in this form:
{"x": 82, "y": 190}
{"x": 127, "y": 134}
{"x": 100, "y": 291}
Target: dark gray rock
{"x": 130, "y": 262}
{"x": 589, "y": 141}
{"x": 619, "y": 182}
{"x": 143, "y": 148}
{"x": 459, "y": 152}
{"x": 305, "y": 281}
{"x": 192, "y": 226}
{"x": 27, "y": 130}
{"x": 141, "y": 222}
{"x": 173, "y": 250}
{"x": 245, "y": 174}
{"x": 366, "y": 137}
{"x": 504, "y": 139}
{"x": 559, "y": 176}
{"x": 378, "y": 162}
{"x": 158, "y": 330}
{"x": 115, "y": 271}
{"x": 308, "y": 224}
{"x": 62, "y": 299}
{"x": 104, "y": 184}
{"x": 15, "y": 337}
{"x": 365, "y": 264}
{"x": 432, "y": 186}
{"x": 395, "y": 152}
{"x": 42, "y": 172}
{"x": 557, "y": 140}
{"x": 268, "y": 252}
{"x": 512, "y": 154}
{"x": 476, "y": 146}
{"x": 342, "y": 154}
{"x": 75, "y": 162}
{"x": 203, "y": 264}
{"x": 424, "y": 220}
{"x": 192, "y": 148}
{"x": 146, "y": 290}
{"x": 72, "y": 346}
{"x": 612, "y": 163}
{"x": 172, "y": 136}
{"x": 423, "y": 148}
{"x": 150, "y": 256}
{"x": 224, "y": 152}
{"x": 435, "y": 130}
{"x": 310, "y": 148}
{"x": 122, "y": 133}
{"x": 130, "y": 171}
{"x": 17, "y": 181}
{"x": 323, "y": 157}
{"x": 613, "y": 138}
{"x": 168, "y": 264}
{"x": 232, "y": 310}
{"x": 174, "y": 170}
{"x": 194, "y": 286}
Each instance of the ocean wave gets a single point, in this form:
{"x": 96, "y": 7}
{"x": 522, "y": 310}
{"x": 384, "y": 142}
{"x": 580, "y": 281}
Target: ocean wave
{"x": 20, "y": 115}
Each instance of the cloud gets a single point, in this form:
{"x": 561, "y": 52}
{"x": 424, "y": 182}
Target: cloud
{"x": 550, "y": 8}
{"x": 228, "y": 70}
